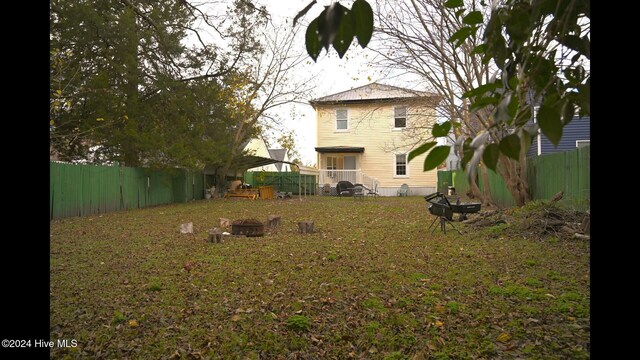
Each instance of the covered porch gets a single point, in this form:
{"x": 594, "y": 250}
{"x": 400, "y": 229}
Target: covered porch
{"x": 341, "y": 163}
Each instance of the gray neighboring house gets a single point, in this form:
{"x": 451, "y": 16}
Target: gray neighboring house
{"x": 575, "y": 134}
{"x": 280, "y": 155}
{"x": 453, "y": 161}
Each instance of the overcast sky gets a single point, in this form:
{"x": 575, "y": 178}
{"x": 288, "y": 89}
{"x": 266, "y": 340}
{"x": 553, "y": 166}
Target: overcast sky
{"x": 334, "y": 74}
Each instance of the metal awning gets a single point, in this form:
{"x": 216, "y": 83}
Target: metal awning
{"x": 339, "y": 149}
{"x": 246, "y": 162}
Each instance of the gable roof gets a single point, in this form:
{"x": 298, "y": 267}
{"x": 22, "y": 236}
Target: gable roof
{"x": 370, "y": 93}
{"x": 278, "y": 154}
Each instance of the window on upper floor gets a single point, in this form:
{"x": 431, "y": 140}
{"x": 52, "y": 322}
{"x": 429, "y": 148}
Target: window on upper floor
{"x": 342, "y": 119}
{"x": 401, "y": 165}
{"x": 400, "y": 117}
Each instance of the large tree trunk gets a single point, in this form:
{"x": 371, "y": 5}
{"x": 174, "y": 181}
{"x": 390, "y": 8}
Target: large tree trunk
{"x": 476, "y": 192}
{"x": 515, "y": 177}
{"x": 485, "y": 186}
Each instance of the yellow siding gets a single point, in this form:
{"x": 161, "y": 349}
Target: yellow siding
{"x": 372, "y": 126}
{"x": 257, "y": 147}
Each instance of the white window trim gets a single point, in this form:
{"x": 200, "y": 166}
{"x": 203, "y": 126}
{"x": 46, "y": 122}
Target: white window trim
{"x": 582, "y": 141}
{"x": 406, "y": 118}
{"x": 335, "y": 112}
{"x": 334, "y": 165}
{"x": 406, "y": 158}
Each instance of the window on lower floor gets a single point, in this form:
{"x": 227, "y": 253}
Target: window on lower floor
{"x": 401, "y": 165}
{"x": 334, "y": 163}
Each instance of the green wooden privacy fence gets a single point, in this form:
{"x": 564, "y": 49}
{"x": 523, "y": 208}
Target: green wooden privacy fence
{"x": 567, "y": 171}
{"x": 292, "y": 182}
{"x": 445, "y": 179}
{"x": 79, "y": 190}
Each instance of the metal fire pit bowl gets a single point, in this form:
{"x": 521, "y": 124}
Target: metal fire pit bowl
{"x": 440, "y": 206}
{"x": 248, "y": 227}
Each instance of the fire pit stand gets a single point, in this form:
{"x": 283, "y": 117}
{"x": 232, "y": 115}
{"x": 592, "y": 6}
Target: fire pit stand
{"x": 248, "y": 227}
{"x": 440, "y": 206}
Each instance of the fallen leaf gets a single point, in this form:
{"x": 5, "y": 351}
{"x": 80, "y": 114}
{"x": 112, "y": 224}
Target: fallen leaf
{"x": 504, "y": 337}
{"x": 133, "y": 323}
{"x": 439, "y": 323}
{"x": 235, "y": 318}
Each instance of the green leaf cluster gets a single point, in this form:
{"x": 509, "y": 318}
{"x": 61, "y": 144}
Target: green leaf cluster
{"x": 521, "y": 38}
{"x": 337, "y": 26}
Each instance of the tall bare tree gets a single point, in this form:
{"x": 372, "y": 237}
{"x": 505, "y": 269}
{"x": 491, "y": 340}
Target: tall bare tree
{"x": 265, "y": 83}
{"x": 413, "y": 37}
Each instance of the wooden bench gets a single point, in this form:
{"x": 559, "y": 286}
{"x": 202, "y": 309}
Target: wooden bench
{"x": 242, "y": 194}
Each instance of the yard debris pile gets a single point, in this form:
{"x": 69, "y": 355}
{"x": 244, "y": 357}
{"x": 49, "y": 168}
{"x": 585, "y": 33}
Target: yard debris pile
{"x": 537, "y": 219}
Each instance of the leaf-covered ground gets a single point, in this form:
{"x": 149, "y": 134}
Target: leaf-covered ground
{"x": 371, "y": 282}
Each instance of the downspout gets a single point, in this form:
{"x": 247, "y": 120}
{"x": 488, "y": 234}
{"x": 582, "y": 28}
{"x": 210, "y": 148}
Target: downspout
{"x": 539, "y": 137}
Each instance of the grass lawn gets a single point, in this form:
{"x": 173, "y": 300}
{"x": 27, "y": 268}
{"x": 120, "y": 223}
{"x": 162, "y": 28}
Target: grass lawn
{"x": 371, "y": 282}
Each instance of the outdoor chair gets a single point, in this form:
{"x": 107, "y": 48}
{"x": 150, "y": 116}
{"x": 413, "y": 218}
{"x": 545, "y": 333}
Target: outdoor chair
{"x": 344, "y": 188}
{"x": 358, "y": 191}
{"x": 374, "y": 191}
{"x": 326, "y": 189}
{"x": 404, "y": 190}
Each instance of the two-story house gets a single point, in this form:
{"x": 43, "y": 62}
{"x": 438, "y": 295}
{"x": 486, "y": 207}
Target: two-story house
{"x": 364, "y": 136}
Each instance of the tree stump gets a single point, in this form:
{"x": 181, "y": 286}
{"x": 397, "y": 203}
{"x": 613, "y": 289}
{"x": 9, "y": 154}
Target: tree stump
{"x": 225, "y": 222}
{"x": 215, "y": 235}
{"x": 186, "y": 228}
{"x": 305, "y": 227}
{"x": 273, "y": 221}
{"x": 586, "y": 224}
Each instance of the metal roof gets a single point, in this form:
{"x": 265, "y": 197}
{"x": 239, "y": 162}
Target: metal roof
{"x": 246, "y": 162}
{"x": 370, "y": 92}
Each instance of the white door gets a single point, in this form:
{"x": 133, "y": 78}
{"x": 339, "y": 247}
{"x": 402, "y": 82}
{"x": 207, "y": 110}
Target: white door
{"x": 350, "y": 164}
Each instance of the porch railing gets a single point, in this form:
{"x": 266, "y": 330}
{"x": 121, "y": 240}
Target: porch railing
{"x": 332, "y": 177}
{"x": 369, "y": 181}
